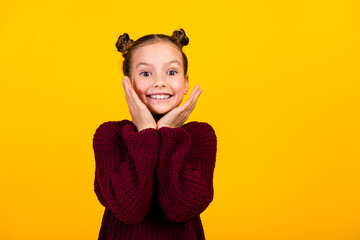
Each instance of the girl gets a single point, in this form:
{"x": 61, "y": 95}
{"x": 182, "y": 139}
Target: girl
{"x": 154, "y": 175}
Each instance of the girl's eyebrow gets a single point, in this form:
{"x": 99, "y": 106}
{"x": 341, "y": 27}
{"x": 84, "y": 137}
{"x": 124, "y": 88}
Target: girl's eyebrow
{"x": 174, "y": 61}
{"x": 149, "y": 64}
{"x": 142, "y": 63}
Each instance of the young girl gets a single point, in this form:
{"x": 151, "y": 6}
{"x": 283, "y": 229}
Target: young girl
{"x": 154, "y": 175}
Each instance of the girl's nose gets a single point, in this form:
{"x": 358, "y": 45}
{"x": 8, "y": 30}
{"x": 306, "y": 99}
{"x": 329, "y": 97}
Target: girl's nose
{"x": 160, "y": 82}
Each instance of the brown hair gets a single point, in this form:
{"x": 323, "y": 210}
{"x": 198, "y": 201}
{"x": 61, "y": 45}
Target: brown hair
{"x": 126, "y": 46}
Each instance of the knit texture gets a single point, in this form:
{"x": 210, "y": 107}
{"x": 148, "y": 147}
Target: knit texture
{"x": 154, "y": 183}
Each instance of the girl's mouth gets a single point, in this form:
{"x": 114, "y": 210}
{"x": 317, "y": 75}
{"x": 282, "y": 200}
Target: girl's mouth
{"x": 159, "y": 96}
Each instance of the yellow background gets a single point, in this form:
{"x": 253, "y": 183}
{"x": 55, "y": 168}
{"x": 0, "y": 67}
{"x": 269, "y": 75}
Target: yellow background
{"x": 280, "y": 83}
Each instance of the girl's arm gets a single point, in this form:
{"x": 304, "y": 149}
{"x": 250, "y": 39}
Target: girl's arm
{"x": 184, "y": 175}
{"x": 125, "y": 168}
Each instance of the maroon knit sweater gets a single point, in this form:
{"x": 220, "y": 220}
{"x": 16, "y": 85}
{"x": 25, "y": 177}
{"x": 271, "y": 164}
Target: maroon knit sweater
{"x": 154, "y": 183}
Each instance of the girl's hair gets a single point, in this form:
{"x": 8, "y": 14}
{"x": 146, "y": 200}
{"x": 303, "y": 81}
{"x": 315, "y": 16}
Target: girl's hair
{"x": 127, "y": 46}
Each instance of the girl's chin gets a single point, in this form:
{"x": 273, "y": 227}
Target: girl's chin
{"x": 160, "y": 111}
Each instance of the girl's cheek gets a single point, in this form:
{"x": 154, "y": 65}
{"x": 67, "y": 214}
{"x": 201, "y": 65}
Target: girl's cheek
{"x": 141, "y": 88}
{"x": 179, "y": 84}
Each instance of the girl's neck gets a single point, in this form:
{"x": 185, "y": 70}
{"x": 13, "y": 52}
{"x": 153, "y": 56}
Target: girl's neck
{"x": 157, "y": 117}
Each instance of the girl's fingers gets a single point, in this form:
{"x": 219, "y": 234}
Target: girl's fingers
{"x": 189, "y": 105}
{"x": 126, "y": 82}
{"x": 194, "y": 90}
{"x": 126, "y": 90}
{"x": 195, "y": 95}
{"x": 128, "y": 96}
{"x": 125, "y": 85}
{"x": 135, "y": 100}
{"x": 135, "y": 97}
{"x": 179, "y": 115}
{"x": 194, "y": 101}
{"x": 130, "y": 89}
{"x": 130, "y": 93}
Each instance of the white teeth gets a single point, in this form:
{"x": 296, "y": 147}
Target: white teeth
{"x": 160, "y": 96}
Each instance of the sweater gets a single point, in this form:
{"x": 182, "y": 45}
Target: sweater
{"x": 154, "y": 183}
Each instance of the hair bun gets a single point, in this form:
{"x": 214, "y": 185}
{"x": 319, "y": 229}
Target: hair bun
{"x": 123, "y": 44}
{"x": 181, "y": 37}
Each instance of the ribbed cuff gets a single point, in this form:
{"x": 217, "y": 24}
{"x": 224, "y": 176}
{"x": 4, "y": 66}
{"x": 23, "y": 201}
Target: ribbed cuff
{"x": 141, "y": 146}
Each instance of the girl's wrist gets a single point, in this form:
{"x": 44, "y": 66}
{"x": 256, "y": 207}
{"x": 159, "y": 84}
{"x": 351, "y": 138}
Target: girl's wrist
{"x": 145, "y": 127}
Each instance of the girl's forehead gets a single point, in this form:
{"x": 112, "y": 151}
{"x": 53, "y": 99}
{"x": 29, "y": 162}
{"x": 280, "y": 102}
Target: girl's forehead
{"x": 157, "y": 50}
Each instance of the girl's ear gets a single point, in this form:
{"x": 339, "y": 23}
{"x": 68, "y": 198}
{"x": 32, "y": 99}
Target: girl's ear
{"x": 186, "y": 90}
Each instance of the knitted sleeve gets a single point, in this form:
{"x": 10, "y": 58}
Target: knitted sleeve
{"x": 184, "y": 175}
{"x": 125, "y": 168}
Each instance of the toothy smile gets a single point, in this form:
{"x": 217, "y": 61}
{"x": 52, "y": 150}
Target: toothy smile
{"x": 159, "y": 96}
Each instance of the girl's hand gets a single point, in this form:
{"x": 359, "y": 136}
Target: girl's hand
{"x": 140, "y": 114}
{"x": 176, "y": 117}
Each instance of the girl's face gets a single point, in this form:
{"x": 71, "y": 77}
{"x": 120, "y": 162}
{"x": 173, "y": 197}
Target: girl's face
{"x": 157, "y": 76}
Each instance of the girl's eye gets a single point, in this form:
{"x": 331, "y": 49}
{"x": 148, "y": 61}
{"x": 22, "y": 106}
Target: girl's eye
{"x": 172, "y": 72}
{"x": 145, "y": 74}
